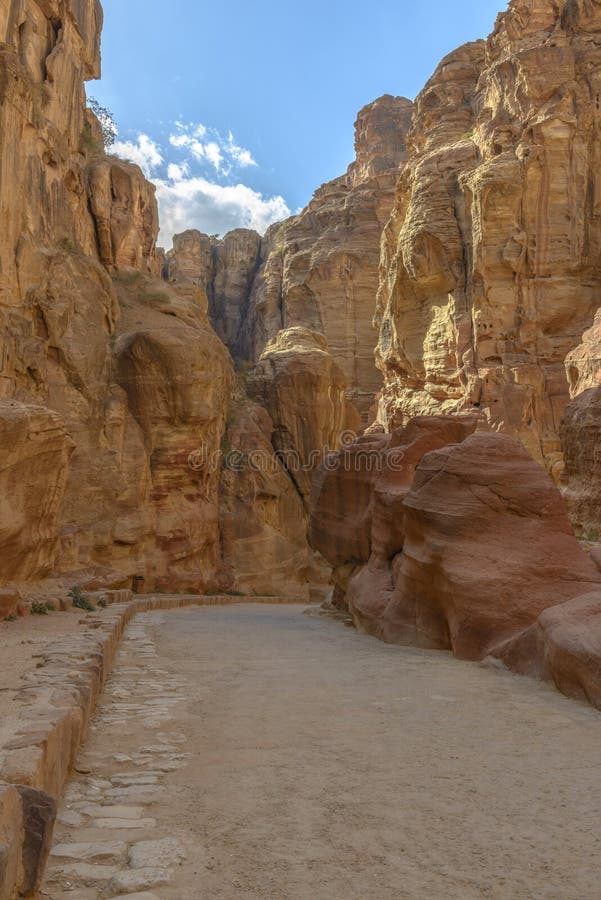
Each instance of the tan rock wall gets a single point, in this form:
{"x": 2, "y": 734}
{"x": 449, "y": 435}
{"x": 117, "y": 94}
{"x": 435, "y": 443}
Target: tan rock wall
{"x": 490, "y": 267}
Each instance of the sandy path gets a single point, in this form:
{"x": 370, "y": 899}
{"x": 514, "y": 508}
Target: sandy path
{"x": 325, "y": 765}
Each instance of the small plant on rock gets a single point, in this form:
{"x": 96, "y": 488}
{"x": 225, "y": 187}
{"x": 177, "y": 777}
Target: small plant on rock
{"x": 102, "y": 603}
{"x": 79, "y": 601}
{"x": 11, "y": 617}
{"x": 38, "y": 608}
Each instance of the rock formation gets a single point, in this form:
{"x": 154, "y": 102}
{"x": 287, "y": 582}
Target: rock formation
{"x": 564, "y": 647}
{"x": 115, "y": 389}
{"x": 298, "y": 304}
{"x": 490, "y": 261}
{"x": 580, "y": 434}
{"x": 461, "y": 541}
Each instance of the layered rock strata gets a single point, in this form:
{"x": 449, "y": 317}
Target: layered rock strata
{"x": 114, "y": 387}
{"x": 451, "y": 540}
{"x": 490, "y": 268}
{"x": 296, "y": 307}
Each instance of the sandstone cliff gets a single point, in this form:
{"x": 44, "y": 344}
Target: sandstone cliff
{"x": 296, "y": 307}
{"x": 490, "y": 261}
{"x": 115, "y": 389}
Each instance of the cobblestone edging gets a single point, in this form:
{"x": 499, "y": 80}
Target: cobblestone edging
{"x": 59, "y": 699}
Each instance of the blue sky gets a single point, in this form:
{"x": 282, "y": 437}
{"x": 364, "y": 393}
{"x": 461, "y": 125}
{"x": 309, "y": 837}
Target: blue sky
{"x": 239, "y": 110}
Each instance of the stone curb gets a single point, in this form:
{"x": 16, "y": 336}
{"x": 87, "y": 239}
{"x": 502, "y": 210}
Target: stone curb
{"x": 60, "y": 697}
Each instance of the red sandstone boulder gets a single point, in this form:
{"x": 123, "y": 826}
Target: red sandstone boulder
{"x": 397, "y": 470}
{"x": 563, "y": 646}
{"x": 342, "y": 501}
{"x": 358, "y": 493}
{"x": 488, "y": 547}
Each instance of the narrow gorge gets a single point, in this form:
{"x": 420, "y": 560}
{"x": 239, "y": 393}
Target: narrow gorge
{"x": 387, "y": 406}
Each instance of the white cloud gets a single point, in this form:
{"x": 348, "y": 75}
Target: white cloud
{"x": 188, "y": 196}
{"x": 177, "y": 173}
{"x": 145, "y": 152}
{"x": 208, "y": 145}
{"x": 213, "y": 208}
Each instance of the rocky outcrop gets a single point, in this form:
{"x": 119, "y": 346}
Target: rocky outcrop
{"x": 115, "y": 382}
{"x": 303, "y": 389}
{"x": 263, "y": 523}
{"x": 490, "y": 267}
{"x": 125, "y": 215}
{"x": 488, "y": 547}
{"x": 581, "y": 433}
{"x": 564, "y": 647}
{"x": 460, "y": 542}
{"x": 357, "y": 514}
{"x": 317, "y": 271}
{"x": 34, "y": 461}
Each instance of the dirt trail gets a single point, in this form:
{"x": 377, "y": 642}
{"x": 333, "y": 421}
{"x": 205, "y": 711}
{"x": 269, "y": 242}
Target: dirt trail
{"x": 287, "y": 757}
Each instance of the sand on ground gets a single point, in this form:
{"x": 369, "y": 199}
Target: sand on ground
{"x": 315, "y": 763}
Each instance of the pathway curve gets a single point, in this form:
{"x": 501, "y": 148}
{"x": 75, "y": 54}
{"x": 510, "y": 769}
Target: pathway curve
{"x": 259, "y": 752}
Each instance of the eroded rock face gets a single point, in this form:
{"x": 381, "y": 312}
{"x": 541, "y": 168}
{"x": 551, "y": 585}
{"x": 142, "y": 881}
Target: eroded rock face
{"x": 581, "y": 431}
{"x": 125, "y": 215}
{"x": 488, "y": 546}
{"x": 580, "y": 434}
{"x": 447, "y": 539}
{"x": 176, "y": 375}
{"x": 113, "y": 468}
{"x": 263, "y": 521}
{"x": 34, "y": 462}
{"x": 317, "y": 271}
{"x": 563, "y": 646}
{"x": 303, "y": 389}
{"x": 357, "y": 512}
{"x": 490, "y": 260}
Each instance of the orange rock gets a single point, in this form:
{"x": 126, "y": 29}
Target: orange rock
{"x": 488, "y": 275}
{"x": 342, "y": 501}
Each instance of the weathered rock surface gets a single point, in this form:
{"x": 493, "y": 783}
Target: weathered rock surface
{"x": 490, "y": 267}
{"x": 357, "y": 512}
{"x": 581, "y": 432}
{"x": 488, "y": 546}
{"x": 303, "y": 389}
{"x": 317, "y": 271}
{"x": 26, "y": 821}
{"x": 34, "y": 461}
{"x": 563, "y": 646}
{"x": 581, "y": 435}
{"x": 113, "y": 384}
{"x": 460, "y": 540}
{"x": 263, "y": 523}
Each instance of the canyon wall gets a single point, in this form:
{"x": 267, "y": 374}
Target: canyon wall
{"x": 295, "y": 308}
{"x": 116, "y": 395}
{"x": 442, "y": 527}
{"x": 490, "y": 261}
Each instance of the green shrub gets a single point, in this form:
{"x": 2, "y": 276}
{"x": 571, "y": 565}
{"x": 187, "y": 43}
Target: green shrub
{"x": 38, "y": 608}
{"x": 79, "y": 601}
{"x": 11, "y": 617}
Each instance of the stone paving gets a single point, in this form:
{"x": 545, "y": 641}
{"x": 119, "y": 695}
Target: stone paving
{"x": 106, "y": 839}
